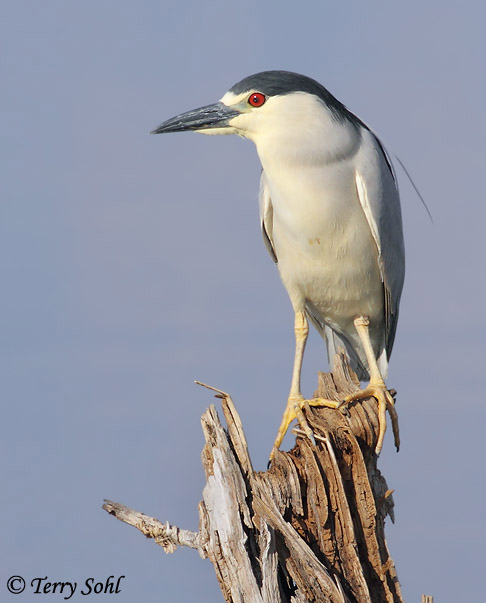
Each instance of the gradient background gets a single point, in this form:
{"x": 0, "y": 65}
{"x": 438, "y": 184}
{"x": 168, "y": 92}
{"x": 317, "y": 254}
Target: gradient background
{"x": 132, "y": 265}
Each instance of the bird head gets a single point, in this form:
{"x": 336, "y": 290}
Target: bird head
{"x": 274, "y": 109}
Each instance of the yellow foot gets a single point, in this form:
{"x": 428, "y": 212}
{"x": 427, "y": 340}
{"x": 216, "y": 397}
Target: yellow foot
{"x": 385, "y": 402}
{"x": 293, "y": 411}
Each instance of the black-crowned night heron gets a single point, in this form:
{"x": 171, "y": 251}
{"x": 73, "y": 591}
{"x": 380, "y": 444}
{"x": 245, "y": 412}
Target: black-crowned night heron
{"x": 331, "y": 220}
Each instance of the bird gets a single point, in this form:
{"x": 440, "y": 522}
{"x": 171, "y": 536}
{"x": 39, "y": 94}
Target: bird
{"x": 331, "y": 220}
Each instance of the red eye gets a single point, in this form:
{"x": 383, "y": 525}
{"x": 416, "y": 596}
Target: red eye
{"x": 256, "y": 99}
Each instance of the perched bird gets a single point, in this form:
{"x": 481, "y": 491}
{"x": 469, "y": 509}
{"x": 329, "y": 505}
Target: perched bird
{"x": 331, "y": 220}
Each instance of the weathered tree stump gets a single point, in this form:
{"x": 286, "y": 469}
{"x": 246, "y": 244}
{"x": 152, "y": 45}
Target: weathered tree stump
{"x": 311, "y": 528}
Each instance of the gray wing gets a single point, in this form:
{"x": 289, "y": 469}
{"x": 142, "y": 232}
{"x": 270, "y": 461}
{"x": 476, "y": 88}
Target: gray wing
{"x": 378, "y": 194}
{"x": 266, "y": 217}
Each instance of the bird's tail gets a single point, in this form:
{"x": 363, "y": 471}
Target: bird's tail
{"x": 335, "y": 344}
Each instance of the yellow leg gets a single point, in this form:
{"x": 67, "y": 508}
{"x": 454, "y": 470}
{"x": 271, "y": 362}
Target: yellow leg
{"x": 296, "y": 401}
{"x": 376, "y": 387}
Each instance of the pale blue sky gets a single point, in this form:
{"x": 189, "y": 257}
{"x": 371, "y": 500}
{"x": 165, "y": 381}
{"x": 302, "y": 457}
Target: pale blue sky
{"x": 132, "y": 265}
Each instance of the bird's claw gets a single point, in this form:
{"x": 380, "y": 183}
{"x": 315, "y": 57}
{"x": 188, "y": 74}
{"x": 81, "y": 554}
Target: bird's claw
{"x": 386, "y": 402}
{"x": 294, "y": 410}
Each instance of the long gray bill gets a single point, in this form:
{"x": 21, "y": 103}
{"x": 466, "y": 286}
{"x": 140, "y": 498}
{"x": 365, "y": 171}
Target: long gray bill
{"x": 210, "y": 116}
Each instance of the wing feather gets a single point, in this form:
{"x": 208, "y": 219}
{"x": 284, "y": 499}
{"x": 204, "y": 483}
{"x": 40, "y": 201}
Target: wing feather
{"x": 266, "y": 217}
{"x": 378, "y": 194}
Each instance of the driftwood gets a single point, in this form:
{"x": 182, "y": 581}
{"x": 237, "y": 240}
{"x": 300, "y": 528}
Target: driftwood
{"x": 311, "y": 528}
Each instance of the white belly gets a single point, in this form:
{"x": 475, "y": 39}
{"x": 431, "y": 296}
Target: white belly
{"x": 326, "y": 253}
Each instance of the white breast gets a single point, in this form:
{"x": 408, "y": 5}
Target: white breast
{"x": 326, "y": 252}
